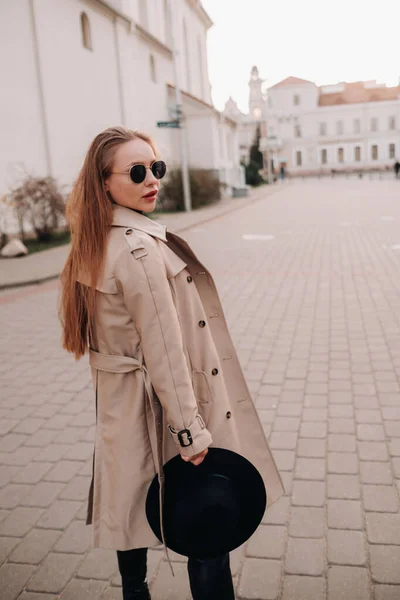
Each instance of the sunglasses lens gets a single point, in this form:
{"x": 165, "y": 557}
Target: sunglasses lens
{"x": 159, "y": 168}
{"x": 138, "y": 173}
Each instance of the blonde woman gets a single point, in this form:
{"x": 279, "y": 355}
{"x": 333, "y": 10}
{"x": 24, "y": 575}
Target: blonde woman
{"x": 166, "y": 376}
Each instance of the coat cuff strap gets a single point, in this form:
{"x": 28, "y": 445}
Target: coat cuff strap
{"x": 185, "y": 437}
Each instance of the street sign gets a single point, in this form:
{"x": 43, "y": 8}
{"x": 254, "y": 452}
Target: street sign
{"x": 169, "y": 124}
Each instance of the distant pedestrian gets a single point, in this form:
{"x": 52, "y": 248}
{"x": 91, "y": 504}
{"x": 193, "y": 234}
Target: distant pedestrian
{"x": 397, "y": 169}
{"x": 282, "y": 173}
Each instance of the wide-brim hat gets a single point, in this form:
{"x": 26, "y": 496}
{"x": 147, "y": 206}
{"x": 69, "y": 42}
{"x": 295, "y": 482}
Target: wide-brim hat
{"x": 208, "y": 510}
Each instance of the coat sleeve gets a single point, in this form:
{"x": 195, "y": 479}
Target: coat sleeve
{"x": 142, "y": 278}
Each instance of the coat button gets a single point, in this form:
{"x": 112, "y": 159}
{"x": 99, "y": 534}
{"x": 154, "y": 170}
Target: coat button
{"x": 128, "y": 231}
{"x": 228, "y": 414}
{"x": 202, "y": 324}
{"x": 214, "y": 372}
{"x": 190, "y": 279}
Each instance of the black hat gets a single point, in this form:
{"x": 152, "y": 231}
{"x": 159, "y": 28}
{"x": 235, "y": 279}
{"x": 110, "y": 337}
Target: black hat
{"x": 208, "y": 510}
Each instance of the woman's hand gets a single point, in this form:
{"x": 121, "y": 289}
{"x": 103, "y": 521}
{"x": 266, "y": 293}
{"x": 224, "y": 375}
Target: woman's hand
{"x": 197, "y": 459}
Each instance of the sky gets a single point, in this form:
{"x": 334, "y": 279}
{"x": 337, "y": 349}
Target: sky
{"x": 325, "y": 42}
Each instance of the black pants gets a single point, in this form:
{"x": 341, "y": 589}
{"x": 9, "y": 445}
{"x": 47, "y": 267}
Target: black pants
{"x": 209, "y": 579}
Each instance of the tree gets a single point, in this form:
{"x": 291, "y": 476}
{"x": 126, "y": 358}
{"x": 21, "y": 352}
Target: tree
{"x": 253, "y": 176}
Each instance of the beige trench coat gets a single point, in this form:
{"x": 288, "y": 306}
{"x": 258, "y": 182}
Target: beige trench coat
{"x": 159, "y": 327}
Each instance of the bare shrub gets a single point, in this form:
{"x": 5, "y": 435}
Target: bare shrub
{"x": 205, "y": 189}
{"x": 39, "y": 202}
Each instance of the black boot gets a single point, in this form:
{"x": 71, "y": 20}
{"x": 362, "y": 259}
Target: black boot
{"x": 211, "y": 579}
{"x": 133, "y": 568}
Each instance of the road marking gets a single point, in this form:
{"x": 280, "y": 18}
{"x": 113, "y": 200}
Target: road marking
{"x": 257, "y": 236}
{"x": 387, "y": 218}
{"x": 395, "y": 247}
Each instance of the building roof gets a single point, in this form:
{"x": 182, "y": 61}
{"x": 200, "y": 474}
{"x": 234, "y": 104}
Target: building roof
{"x": 356, "y": 92}
{"x": 291, "y": 81}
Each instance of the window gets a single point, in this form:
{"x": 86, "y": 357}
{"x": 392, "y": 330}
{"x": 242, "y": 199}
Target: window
{"x": 357, "y": 153}
{"x": 340, "y": 155}
{"x": 322, "y": 129}
{"x": 143, "y": 14}
{"x": 374, "y": 124}
{"x": 297, "y": 131}
{"x": 374, "y": 152}
{"x": 153, "y": 74}
{"x": 187, "y": 62}
{"x": 392, "y": 123}
{"x": 201, "y": 70}
{"x": 86, "y": 33}
{"x": 324, "y": 156}
{"x": 167, "y": 24}
{"x": 392, "y": 150}
{"x": 296, "y": 100}
{"x": 298, "y": 158}
{"x": 357, "y": 125}
{"x": 339, "y": 127}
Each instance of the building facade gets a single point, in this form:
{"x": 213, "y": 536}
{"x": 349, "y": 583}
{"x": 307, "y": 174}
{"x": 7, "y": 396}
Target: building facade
{"x": 74, "y": 67}
{"x": 347, "y": 127}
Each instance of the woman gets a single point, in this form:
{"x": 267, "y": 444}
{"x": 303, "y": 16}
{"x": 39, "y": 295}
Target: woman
{"x": 166, "y": 375}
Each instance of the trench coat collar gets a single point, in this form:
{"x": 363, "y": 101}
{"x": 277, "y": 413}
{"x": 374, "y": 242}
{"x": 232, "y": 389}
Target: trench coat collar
{"x": 126, "y": 217}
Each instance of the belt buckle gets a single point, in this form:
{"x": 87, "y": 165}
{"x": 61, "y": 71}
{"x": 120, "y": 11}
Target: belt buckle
{"x": 189, "y": 438}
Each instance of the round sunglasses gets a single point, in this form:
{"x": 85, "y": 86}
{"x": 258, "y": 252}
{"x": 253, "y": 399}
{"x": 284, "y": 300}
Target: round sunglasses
{"x": 138, "y": 172}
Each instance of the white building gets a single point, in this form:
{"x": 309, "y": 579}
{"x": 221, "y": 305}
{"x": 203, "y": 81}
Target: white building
{"x": 71, "y": 68}
{"x": 347, "y": 127}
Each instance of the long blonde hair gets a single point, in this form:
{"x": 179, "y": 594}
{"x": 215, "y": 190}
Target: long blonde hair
{"x": 89, "y": 214}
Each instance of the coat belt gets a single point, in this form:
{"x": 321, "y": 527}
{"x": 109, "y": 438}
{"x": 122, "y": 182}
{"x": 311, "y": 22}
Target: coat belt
{"x": 112, "y": 363}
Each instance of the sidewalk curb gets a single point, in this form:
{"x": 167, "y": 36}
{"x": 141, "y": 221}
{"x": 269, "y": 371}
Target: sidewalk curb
{"x": 230, "y": 209}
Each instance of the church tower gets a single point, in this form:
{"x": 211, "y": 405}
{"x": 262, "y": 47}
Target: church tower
{"x": 256, "y": 97}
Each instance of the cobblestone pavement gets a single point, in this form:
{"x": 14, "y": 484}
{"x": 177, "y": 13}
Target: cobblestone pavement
{"x": 310, "y": 280}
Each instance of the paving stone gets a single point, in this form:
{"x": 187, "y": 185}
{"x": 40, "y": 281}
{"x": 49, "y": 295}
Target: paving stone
{"x": 315, "y": 414}
{"x": 341, "y": 411}
{"x": 59, "y": 514}
{"x": 307, "y": 522}
{"x": 283, "y": 440}
{"x": 346, "y": 547}
{"x": 290, "y": 424}
{"x": 342, "y": 462}
{"x": 79, "y": 589}
{"x": 368, "y": 416}
{"x": 303, "y": 588}
{"x": 7, "y": 473}
{"x": 313, "y": 430}
{"x": 396, "y": 467}
{"x": 373, "y": 451}
{"x": 29, "y": 426}
{"x": 77, "y": 489}
{"x": 345, "y": 487}
{"x": 284, "y": 459}
{"x": 371, "y": 433}
{"x": 7, "y": 545}
{"x": 64, "y": 471}
{"x": 76, "y": 539}
{"x": 308, "y": 493}
{"x": 13, "y": 579}
{"x": 341, "y": 426}
{"x": 166, "y": 587}
{"x": 42, "y": 438}
{"x": 58, "y": 421}
{"x": 380, "y": 498}
{"x": 42, "y": 494}
{"x": 383, "y": 528}
{"x": 394, "y": 447}
{"x": 13, "y": 494}
{"x": 386, "y": 592}
{"x": 374, "y": 472}
{"x": 287, "y": 409}
{"x": 52, "y": 453}
{"x": 341, "y": 442}
{"x": 277, "y": 514}
{"x": 385, "y": 561}
{"x": 11, "y": 442}
{"x": 310, "y": 447}
{"x": 345, "y": 514}
{"x": 348, "y": 583}
{"x": 259, "y": 580}
{"x": 54, "y": 573}
{"x": 305, "y": 557}
{"x": 267, "y": 542}
{"x": 392, "y": 428}
{"x": 35, "y": 546}
{"x": 20, "y": 521}
{"x": 35, "y": 596}
{"x": 310, "y": 468}
{"x": 340, "y": 397}
{"x": 99, "y": 564}
{"x": 32, "y": 473}
{"x": 316, "y": 401}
